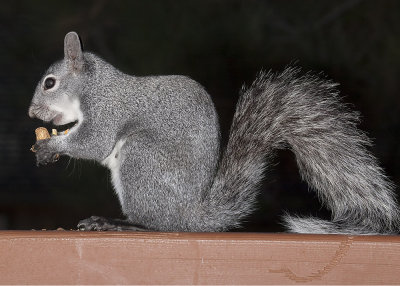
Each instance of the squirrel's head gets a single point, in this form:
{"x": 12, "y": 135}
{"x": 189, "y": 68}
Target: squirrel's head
{"x": 57, "y": 95}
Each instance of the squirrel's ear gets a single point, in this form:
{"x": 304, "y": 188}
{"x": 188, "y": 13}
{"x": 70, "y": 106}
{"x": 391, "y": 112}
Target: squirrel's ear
{"x": 73, "y": 53}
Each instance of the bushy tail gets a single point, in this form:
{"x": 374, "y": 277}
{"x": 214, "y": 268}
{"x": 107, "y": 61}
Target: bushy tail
{"x": 304, "y": 114}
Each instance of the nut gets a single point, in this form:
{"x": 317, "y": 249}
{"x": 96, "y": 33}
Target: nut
{"x": 42, "y": 133}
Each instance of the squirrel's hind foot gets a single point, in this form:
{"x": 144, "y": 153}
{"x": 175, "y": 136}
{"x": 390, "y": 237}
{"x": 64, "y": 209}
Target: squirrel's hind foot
{"x": 106, "y": 224}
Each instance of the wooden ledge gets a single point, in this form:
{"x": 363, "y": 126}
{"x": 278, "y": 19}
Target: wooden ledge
{"x": 71, "y": 257}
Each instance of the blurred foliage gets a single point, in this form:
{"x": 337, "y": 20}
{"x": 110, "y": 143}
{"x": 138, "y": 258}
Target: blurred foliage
{"x": 221, "y": 44}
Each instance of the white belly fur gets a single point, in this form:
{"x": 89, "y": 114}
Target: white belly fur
{"x": 113, "y": 162}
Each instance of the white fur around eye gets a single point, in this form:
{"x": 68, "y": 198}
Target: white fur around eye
{"x": 56, "y": 85}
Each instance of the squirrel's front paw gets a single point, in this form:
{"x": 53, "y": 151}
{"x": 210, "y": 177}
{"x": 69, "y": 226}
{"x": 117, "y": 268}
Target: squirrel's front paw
{"x": 44, "y": 154}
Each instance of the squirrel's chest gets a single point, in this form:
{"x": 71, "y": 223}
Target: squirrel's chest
{"x": 113, "y": 162}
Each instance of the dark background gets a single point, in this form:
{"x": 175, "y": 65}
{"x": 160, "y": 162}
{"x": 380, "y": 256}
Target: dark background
{"x": 221, "y": 44}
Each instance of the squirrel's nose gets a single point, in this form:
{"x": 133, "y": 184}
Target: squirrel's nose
{"x": 31, "y": 113}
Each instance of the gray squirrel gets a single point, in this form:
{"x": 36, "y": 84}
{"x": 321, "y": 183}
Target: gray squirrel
{"x": 159, "y": 136}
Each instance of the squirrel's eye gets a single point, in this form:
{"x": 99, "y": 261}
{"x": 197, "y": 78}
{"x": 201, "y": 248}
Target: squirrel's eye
{"x": 49, "y": 83}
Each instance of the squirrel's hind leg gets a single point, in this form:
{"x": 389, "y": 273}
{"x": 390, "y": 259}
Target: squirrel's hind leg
{"x": 107, "y": 224}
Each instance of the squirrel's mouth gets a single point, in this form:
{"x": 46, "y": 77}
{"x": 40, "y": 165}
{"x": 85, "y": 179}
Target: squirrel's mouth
{"x": 63, "y": 123}
{"x": 59, "y": 124}
{"x": 57, "y": 129}
{"x": 65, "y": 127}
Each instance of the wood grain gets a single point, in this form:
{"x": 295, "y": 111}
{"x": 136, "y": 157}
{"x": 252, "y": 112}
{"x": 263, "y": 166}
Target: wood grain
{"x": 71, "y": 257}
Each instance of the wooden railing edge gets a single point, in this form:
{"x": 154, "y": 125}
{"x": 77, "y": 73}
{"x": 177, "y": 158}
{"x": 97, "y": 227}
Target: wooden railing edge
{"x": 73, "y": 257}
